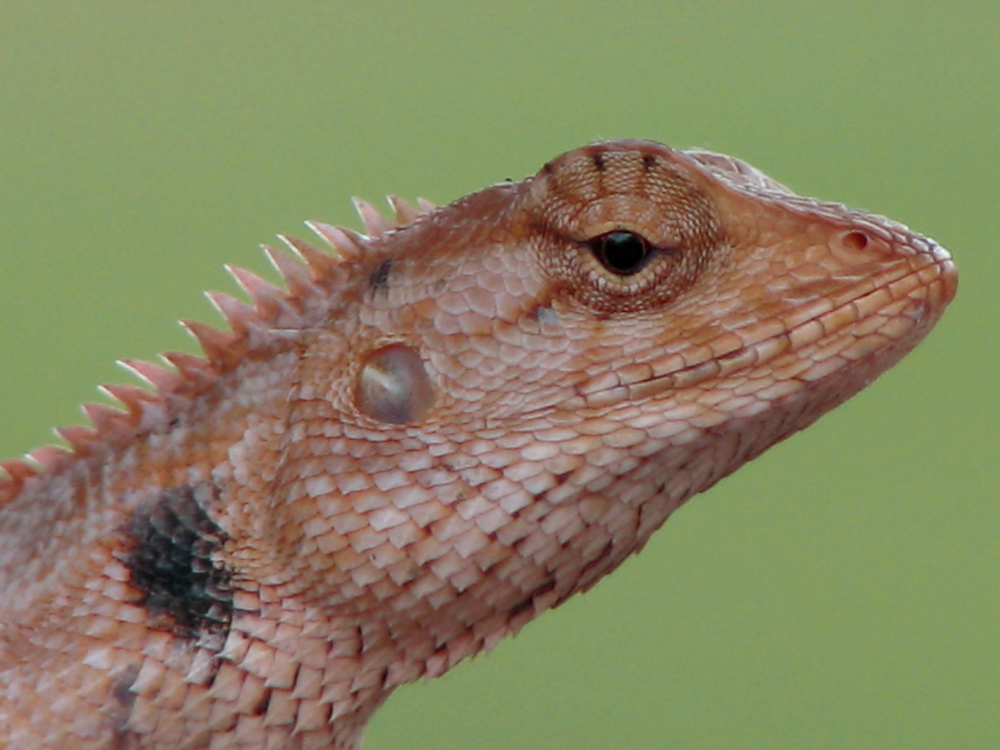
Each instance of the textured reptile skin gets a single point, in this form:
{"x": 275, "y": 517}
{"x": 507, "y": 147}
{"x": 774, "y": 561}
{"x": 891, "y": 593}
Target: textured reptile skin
{"x": 453, "y": 424}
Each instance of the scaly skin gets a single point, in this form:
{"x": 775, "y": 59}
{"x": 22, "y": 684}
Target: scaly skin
{"x": 476, "y": 412}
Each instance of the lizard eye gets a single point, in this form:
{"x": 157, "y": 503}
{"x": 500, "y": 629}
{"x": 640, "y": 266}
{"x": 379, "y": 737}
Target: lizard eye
{"x": 623, "y": 253}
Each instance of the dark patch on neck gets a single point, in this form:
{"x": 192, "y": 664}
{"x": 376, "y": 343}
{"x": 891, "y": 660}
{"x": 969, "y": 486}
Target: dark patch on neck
{"x": 171, "y": 544}
{"x": 648, "y": 162}
{"x": 380, "y": 276}
{"x": 598, "y": 158}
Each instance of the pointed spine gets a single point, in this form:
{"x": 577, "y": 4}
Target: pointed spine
{"x": 375, "y": 223}
{"x": 295, "y": 275}
{"x": 267, "y": 297}
{"x": 348, "y": 243}
{"x": 191, "y": 368}
{"x": 16, "y": 471}
{"x": 132, "y": 397}
{"x": 104, "y": 418}
{"x": 405, "y": 212}
{"x": 322, "y": 264}
{"x": 48, "y": 457}
{"x": 162, "y": 379}
{"x": 216, "y": 344}
{"x": 78, "y": 436}
{"x": 238, "y": 315}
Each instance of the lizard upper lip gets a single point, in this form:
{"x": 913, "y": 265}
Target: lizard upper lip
{"x": 820, "y": 320}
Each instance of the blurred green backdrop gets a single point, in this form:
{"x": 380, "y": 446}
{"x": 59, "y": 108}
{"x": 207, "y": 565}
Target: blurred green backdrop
{"x": 841, "y": 592}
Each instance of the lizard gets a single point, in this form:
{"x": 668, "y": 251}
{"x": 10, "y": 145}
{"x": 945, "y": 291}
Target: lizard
{"x": 427, "y": 437}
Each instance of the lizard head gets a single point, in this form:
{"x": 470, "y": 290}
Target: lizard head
{"x": 539, "y": 373}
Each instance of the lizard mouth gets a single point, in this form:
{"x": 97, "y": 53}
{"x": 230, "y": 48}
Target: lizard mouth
{"x": 887, "y": 311}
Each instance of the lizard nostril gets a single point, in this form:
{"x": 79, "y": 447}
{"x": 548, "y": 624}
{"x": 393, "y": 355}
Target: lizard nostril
{"x": 393, "y": 386}
{"x": 855, "y": 240}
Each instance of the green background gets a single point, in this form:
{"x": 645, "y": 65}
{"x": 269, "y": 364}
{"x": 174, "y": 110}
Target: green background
{"x": 840, "y": 592}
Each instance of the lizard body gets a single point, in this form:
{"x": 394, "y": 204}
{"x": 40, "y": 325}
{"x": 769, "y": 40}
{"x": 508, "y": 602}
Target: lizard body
{"x": 466, "y": 416}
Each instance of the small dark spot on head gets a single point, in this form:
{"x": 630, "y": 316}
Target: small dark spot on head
{"x": 598, "y": 161}
{"x": 648, "y": 162}
{"x": 548, "y": 168}
{"x": 380, "y": 276}
{"x": 171, "y": 545}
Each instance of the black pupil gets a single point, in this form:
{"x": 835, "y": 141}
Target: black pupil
{"x": 622, "y": 253}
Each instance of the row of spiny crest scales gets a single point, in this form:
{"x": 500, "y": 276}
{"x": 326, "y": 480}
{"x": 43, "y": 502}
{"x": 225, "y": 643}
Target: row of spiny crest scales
{"x": 187, "y": 374}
